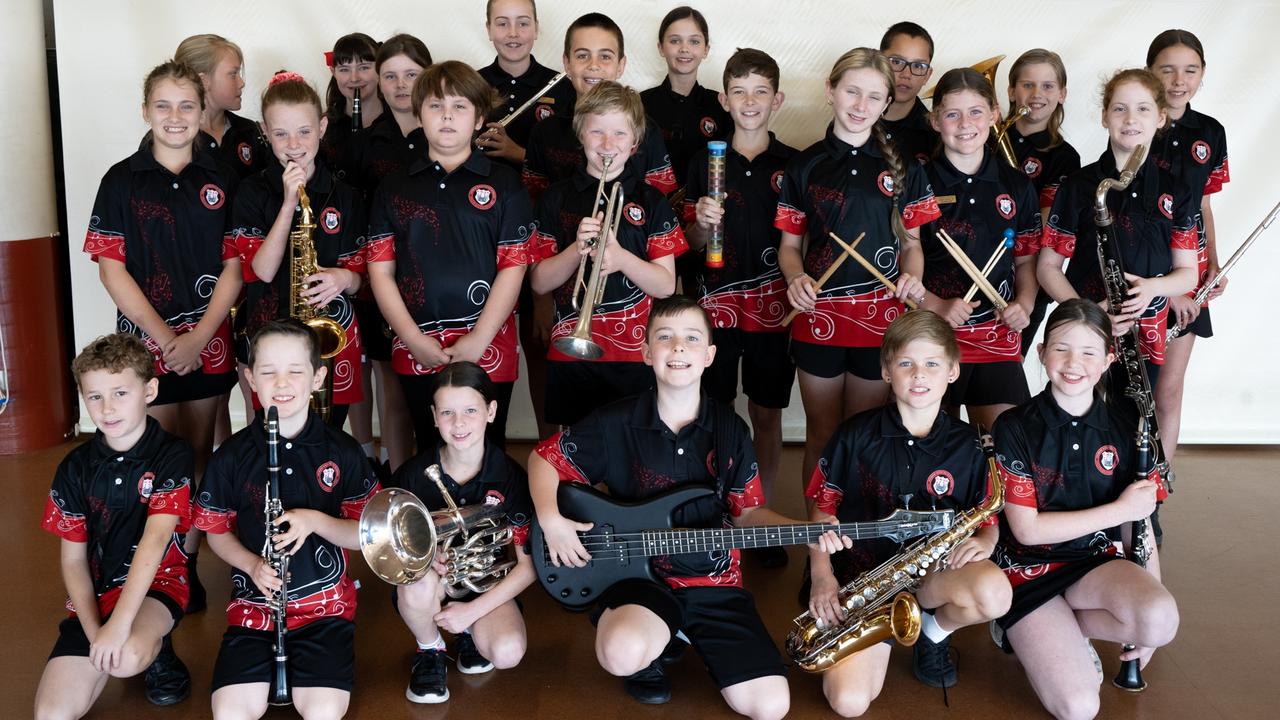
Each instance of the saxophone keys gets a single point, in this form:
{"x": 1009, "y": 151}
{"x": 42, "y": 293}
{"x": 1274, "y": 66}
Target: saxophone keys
{"x": 912, "y": 568}
{"x": 858, "y": 602}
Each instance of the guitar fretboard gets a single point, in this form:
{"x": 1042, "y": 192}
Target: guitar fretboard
{"x": 676, "y": 542}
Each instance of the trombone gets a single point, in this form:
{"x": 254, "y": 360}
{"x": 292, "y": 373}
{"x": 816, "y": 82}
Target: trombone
{"x": 579, "y": 344}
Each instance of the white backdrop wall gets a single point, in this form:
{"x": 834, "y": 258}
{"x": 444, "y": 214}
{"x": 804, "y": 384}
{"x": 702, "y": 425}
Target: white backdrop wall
{"x": 106, "y": 48}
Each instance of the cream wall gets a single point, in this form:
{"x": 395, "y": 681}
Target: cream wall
{"x": 104, "y": 51}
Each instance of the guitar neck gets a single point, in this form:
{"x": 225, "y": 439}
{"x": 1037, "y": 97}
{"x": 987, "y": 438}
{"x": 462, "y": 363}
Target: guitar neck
{"x": 677, "y": 542}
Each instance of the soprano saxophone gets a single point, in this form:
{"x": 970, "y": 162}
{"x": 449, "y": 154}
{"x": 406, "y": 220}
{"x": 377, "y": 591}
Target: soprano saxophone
{"x": 879, "y": 604}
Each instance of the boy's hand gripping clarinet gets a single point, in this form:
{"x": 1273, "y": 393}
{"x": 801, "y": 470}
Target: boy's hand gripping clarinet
{"x": 278, "y": 601}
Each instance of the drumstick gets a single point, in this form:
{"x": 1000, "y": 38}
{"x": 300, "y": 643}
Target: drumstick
{"x": 971, "y": 270}
{"x": 874, "y": 272}
{"x": 835, "y": 265}
{"x": 1005, "y": 244}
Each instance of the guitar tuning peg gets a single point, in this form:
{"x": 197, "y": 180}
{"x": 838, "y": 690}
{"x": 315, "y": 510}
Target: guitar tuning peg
{"x": 906, "y": 501}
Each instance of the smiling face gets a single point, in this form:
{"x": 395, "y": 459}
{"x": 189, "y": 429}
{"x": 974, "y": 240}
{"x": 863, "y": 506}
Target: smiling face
{"x": 1038, "y": 90}
{"x": 226, "y": 83}
{"x": 1132, "y": 117}
{"x": 356, "y": 74}
{"x": 462, "y": 415}
{"x": 173, "y": 112}
{"x": 593, "y": 57}
{"x": 679, "y": 348}
{"x": 1074, "y": 356}
{"x": 684, "y": 47}
{"x": 750, "y": 101}
{"x": 607, "y": 134}
{"x": 1180, "y": 69}
{"x": 963, "y": 120}
{"x": 395, "y": 79}
{"x": 294, "y": 130}
{"x": 282, "y": 375}
{"x": 117, "y": 404}
{"x": 919, "y": 374}
{"x": 858, "y": 100}
{"x": 449, "y": 123}
{"x": 512, "y": 29}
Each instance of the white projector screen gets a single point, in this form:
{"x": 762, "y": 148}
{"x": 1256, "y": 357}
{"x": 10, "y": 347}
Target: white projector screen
{"x": 105, "y": 49}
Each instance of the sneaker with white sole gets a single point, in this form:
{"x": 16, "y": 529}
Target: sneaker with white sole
{"x": 470, "y": 661}
{"x": 427, "y": 679}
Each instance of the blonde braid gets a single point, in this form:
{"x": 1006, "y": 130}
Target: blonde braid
{"x": 899, "y": 173}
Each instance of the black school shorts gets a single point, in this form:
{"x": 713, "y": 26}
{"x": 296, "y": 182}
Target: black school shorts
{"x": 988, "y": 384}
{"x": 196, "y": 385}
{"x": 72, "y": 640}
{"x": 321, "y": 654}
{"x": 576, "y": 388}
{"x": 1033, "y": 593}
{"x": 722, "y": 624}
{"x": 1201, "y": 327}
{"x": 828, "y": 361}
{"x": 767, "y": 369}
{"x": 373, "y": 330}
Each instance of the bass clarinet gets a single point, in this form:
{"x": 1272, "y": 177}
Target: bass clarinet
{"x": 277, "y": 602}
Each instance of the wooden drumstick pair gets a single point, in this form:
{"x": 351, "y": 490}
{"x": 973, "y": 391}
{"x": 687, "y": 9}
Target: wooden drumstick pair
{"x": 978, "y": 276}
{"x": 847, "y": 251}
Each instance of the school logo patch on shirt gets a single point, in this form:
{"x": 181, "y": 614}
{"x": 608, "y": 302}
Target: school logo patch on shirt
{"x": 493, "y": 497}
{"x": 634, "y": 214}
{"x": 245, "y": 153}
{"x": 330, "y": 220}
{"x": 542, "y": 111}
{"x": 941, "y": 484}
{"x": 776, "y": 181}
{"x": 707, "y": 126}
{"x": 145, "y": 485}
{"x": 328, "y": 475}
{"x": 1200, "y": 151}
{"x": 1031, "y": 167}
{"x": 212, "y": 196}
{"x": 482, "y": 197}
{"x": 1006, "y": 206}
{"x": 1106, "y": 459}
{"x": 1166, "y": 205}
{"x": 885, "y": 183}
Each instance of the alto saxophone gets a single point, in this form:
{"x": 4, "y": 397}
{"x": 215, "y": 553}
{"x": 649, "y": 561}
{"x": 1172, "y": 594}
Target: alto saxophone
{"x": 879, "y": 603}
{"x": 330, "y": 337}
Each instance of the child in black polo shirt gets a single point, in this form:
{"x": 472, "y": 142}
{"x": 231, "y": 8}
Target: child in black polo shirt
{"x": 593, "y": 53}
{"x": 639, "y": 259}
{"x": 909, "y": 48}
{"x": 325, "y": 481}
{"x": 267, "y": 211}
{"x": 1067, "y": 460}
{"x": 640, "y": 447}
{"x": 908, "y": 453}
{"x": 489, "y": 628}
{"x": 220, "y": 65}
{"x": 118, "y": 502}
{"x": 448, "y": 246}
{"x": 352, "y": 69}
{"x": 746, "y": 297}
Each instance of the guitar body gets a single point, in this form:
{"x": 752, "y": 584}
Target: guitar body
{"x": 614, "y": 541}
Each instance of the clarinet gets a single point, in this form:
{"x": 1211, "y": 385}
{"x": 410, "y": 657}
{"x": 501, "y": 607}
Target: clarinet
{"x": 357, "y": 119}
{"x": 277, "y": 602}
{"x": 1150, "y": 455}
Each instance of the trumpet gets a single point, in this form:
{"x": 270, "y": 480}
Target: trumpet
{"x": 579, "y": 344}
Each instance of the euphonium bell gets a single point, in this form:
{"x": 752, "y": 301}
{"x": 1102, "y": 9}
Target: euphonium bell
{"x": 987, "y": 68}
{"x": 579, "y": 344}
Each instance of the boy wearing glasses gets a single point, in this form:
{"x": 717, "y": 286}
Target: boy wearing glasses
{"x": 909, "y": 49}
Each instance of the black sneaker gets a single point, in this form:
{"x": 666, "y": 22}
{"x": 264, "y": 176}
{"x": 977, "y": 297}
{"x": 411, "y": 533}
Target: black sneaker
{"x": 167, "y": 679}
{"x": 427, "y": 681}
{"x": 470, "y": 661}
{"x": 932, "y": 662}
{"x": 196, "y": 600}
{"x": 649, "y": 686}
{"x": 771, "y": 557}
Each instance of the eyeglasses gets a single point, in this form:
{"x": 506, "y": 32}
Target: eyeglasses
{"x": 919, "y": 68}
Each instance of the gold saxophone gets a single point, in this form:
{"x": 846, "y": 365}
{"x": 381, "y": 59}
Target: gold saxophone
{"x": 302, "y": 264}
{"x": 879, "y": 604}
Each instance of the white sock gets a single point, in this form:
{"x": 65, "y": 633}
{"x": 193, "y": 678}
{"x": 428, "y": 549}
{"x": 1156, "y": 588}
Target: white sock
{"x": 368, "y": 449}
{"x": 437, "y": 645}
{"x": 931, "y": 629}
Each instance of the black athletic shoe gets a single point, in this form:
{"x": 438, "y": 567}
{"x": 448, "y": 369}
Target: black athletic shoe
{"x": 771, "y": 557}
{"x": 167, "y": 679}
{"x": 427, "y": 681}
{"x": 196, "y": 600}
{"x": 649, "y": 686}
{"x": 470, "y": 661}
{"x": 932, "y": 662}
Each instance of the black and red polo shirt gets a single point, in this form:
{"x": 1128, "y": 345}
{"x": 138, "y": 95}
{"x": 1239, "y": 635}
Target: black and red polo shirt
{"x": 628, "y": 447}
{"x": 1052, "y": 461}
{"x": 1153, "y": 217}
{"x": 1193, "y": 148}
{"x": 243, "y": 145}
{"x": 687, "y": 122}
{"x": 380, "y": 151}
{"x": 553, "y": 153}
{"x": 104, "y": 497}
{"x": 872, "y": 462}
{"x": 649, "y": 229}
{"x": 833, "y": 186}
{"x": 501, "y": 481}
{"x": 173, "y": 233}
{"x": 749, "y": 292}
{"x": 339, "y": 214}
{"x": 976, "y": 211}
{"x": 1046, "y": 166}
{"x": 321, "y": 469}
{"x": 335, "y": 145}
{"x": 913, "y": 135}
{"x": 516, "y": 91}
{"x": 449, "y": 234}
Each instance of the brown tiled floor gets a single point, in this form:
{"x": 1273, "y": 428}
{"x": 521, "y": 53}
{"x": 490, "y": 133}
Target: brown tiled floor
{"x": 1219, "y": 561}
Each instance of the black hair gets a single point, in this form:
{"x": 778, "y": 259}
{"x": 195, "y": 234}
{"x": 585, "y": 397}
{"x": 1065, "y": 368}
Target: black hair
{"x": 465, "y": 373}
{"x": 909, "y": 29}
{"x": 674, "y": 305}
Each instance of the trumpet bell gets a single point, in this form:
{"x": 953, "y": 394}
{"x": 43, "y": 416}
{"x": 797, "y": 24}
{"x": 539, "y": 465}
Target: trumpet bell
{"x": 397, "y": 536}
{"x": 581, "y": 348}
